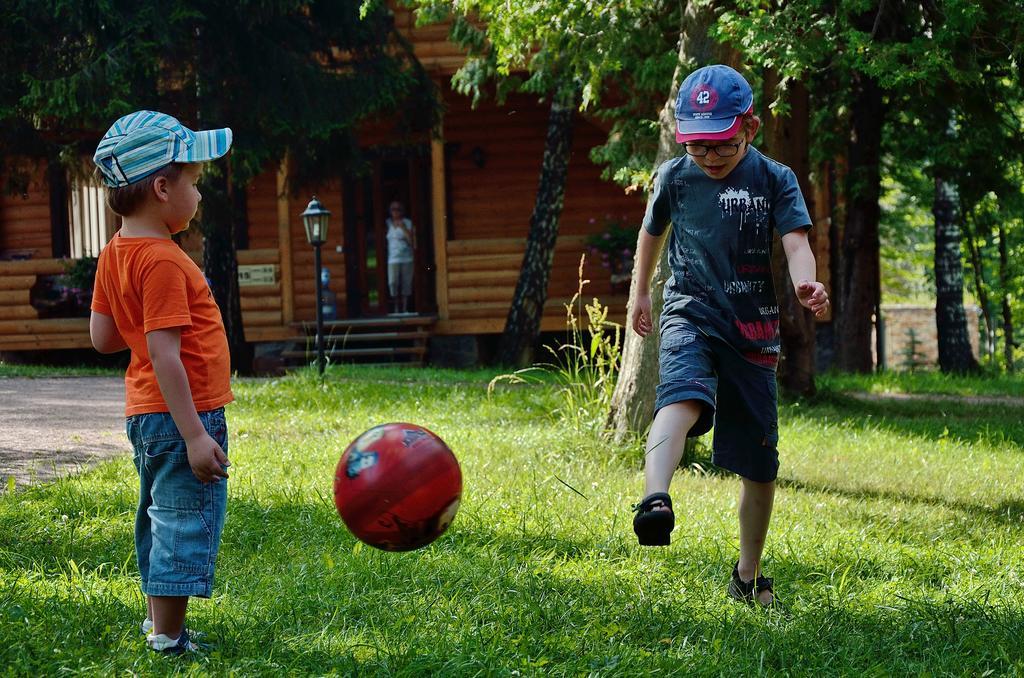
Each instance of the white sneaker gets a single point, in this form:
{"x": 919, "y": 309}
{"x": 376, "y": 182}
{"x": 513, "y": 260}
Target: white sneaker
{"x": 181, "y": 645}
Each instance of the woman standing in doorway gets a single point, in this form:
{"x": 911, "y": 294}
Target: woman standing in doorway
{"x": 401, "y": 249}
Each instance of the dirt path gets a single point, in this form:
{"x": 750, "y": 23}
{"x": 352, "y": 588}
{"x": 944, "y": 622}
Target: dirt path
{"x": 1009, "y": 401}
{"x": 52, "y": 427}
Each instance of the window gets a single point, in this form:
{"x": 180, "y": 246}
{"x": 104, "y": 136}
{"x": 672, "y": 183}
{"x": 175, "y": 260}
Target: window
{"x": 90, "y": 222}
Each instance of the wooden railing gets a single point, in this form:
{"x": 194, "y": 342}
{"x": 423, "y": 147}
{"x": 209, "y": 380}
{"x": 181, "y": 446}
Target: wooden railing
{"x": 21, "y": 328}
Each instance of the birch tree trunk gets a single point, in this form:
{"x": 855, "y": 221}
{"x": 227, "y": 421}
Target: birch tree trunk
{"x": 522, "y": 327}
{"x": 955, "y": 354}
{"x": 632, "y": 406}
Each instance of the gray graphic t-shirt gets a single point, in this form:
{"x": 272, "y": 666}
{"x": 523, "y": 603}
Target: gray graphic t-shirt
{"x": 720, "y": 247}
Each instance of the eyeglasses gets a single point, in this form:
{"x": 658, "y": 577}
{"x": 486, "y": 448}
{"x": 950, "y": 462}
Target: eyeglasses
{"x": 721, "y": 150}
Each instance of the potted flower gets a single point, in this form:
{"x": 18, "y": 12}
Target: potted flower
{"x": 77, "y": 282}
{"x": 614, "y": 247}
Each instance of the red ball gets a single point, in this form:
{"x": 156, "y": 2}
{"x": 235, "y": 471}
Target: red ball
{"x": 397, "y": 487}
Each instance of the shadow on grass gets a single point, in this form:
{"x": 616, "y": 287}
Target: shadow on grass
{"x": 296, "y": 594}
{"x": 1007, "y": 512}
{"x": 999, "y": 425}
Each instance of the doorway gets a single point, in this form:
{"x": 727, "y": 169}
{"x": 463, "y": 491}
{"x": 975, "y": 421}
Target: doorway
{"x": 396, "y": 174}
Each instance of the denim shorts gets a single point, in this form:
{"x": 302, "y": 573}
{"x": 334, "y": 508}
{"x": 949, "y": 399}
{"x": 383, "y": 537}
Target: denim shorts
{"x": 179, "y": 520}
{"x": 740, "y": 398}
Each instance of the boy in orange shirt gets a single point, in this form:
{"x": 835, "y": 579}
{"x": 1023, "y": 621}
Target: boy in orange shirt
{"x": 151, "y": 298}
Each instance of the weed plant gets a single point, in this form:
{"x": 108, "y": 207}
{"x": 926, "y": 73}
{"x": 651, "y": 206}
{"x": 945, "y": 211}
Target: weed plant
{"x": 583, "y": 367}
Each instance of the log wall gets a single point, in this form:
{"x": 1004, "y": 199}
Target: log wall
{"x": 261, "y": 304}
{"x": 495, "y": 200}
{"x": 490, "y": 204}
{"x": 25, "y": 218}
{"x": 430, "y": 43}
{"x": 21, "y": 328}
{"x": 482, "y": 276}
{"x": 493, "y": 165}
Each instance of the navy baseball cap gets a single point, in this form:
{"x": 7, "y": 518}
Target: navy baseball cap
{"x": 144, "y": 142}
{"x": 711, "y": 104}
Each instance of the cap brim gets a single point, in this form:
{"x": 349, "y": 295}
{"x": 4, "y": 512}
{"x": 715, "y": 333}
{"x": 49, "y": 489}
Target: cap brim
{"x": 209, "y": 145}
{"x": 712, "y": 130}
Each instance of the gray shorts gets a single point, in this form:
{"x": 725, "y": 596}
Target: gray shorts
{"x": 400, "y": 279}
{"x": 740, "y": 398}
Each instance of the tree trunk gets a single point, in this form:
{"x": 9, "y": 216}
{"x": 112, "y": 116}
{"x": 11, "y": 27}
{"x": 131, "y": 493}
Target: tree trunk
{"x": 980, "y": 291}
{"x": 632, "y": 406}
{"x": 522, "y": 327}
{"x": 787, "y": 140}
{"x": 60, "y": 227}
{"x": 859, "y": 284}
{"x": 1008, "y": 343}
{"x": 955, "y": 354}
{"x": 220, "y": 221}
{"x": 220, "y": 262}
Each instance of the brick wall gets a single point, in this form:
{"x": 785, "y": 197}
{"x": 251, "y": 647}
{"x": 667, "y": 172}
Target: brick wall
{"x": 900, "y": 319}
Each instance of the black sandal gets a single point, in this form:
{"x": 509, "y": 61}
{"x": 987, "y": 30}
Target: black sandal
{"x": 749, "y": 591}
{"x": 653, "y": 527}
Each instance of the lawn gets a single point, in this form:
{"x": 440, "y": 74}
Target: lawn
{"x": 896, "y": 542}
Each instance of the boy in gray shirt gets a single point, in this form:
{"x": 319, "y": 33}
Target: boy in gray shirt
{"x": 720, "y": 323}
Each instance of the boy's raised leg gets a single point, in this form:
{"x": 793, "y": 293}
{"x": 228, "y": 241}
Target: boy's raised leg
{"x": 654, "y": 519}
{"x": 666, "y": 441}
{"x": 756, "y": 501}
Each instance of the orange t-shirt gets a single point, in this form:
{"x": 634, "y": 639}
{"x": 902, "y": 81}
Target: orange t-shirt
{"x": 149, "y": 284}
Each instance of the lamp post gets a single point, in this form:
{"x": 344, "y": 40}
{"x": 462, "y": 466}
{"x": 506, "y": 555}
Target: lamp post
{"x": 315, "y": 221}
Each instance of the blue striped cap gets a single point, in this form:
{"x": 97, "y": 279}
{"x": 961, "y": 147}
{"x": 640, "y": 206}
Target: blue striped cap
{"x": 144, "y": 142}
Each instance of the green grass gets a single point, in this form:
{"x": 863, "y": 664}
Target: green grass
{"x": 40, "y": 371}
{"x": 896, "y": 540}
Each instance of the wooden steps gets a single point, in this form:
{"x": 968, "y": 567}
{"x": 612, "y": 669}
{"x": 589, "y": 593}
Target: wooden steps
{"x": 383, "y": 340}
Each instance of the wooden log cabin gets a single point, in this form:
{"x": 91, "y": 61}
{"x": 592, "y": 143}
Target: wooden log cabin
{"x": 469, "y": 193}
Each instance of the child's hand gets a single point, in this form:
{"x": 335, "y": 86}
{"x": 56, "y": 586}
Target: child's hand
{"x": 640, "y": 318}
{"x": 207, "y": 459}
{"x": 811, "y": 294}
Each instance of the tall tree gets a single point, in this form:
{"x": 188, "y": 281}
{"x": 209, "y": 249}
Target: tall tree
{"x": 880, "y": 56}
{"x": 787, "y": 139}
{"x": 632, "y": 406}
{"x": 522, "y": 326}
{"x": 972, "y": 235}
{"x": 857, "y": 286}
{"x": 1009, "y": 343}
{"x": 967, "y": 142}
{"x": 955, "y": 353}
